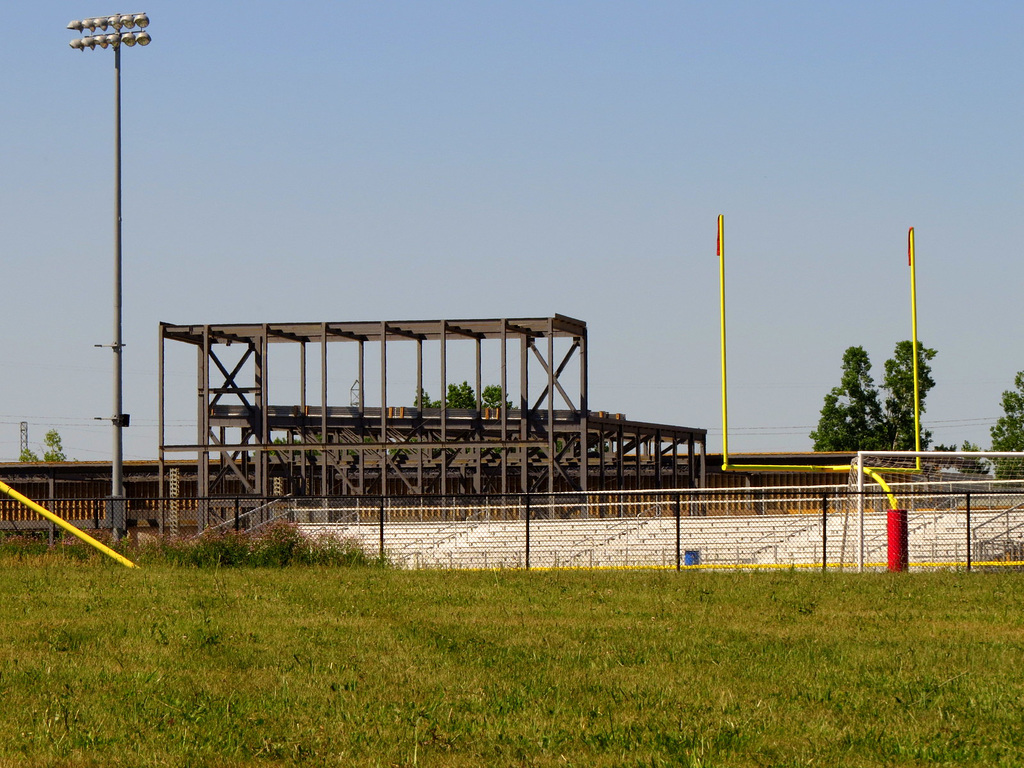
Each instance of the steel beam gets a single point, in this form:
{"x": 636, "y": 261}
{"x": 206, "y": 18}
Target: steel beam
{"x": 378, "y": 447}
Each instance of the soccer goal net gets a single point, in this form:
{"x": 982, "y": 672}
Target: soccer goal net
{"x": 961, "y": 508}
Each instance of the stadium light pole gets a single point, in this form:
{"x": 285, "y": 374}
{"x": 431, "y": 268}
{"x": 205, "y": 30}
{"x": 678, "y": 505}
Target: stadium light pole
{"x": 127, "y": 29}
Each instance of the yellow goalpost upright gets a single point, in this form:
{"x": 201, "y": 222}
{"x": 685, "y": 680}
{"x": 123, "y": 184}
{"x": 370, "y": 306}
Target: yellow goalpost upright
{"x": 59, "y": 521}
{"x": 727, "y": 466}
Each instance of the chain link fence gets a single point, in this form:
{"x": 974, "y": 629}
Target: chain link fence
{"x": 814, "y": 527}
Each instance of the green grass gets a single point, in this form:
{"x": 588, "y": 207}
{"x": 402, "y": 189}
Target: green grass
{"x": 175, "y": 666}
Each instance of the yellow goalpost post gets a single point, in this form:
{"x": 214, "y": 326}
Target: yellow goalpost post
{"x": 727, "y": 466}
{"x": 38, "y": 508}
{"x": 913, "y": 324}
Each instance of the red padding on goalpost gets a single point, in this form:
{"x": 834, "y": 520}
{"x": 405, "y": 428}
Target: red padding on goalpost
{"x": 896, "y": 528}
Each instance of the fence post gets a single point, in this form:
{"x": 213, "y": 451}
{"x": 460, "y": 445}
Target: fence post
{"x": 527, "y": 531}
{"x": 236, "y": 514}
{"x": 968, "y": 531}
{"x": 824, "y": 533}
{"x": 382, "y": 528}
{"x": 860, "y": 517}
{"x": 679, "y": 543}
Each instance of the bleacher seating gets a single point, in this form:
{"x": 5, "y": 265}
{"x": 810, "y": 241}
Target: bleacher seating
{"x": 754, "y": 541}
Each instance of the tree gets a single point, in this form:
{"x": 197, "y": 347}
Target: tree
{"x": 464, "y": 396}
{"x": 492, "y": 397}
{"x": 461, "y": 396}
{"x": 1008, "y": 431}
{"x": 54, "y": 449}
{"x": 853, "y": 417}
{"x": 899, "y": 403}
{"x": 424, "y": 401}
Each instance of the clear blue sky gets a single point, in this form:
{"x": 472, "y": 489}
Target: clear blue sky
{"x": 394, "y": 160}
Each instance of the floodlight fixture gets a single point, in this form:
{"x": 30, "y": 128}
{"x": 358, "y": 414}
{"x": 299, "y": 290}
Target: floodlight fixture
{"x": 117, "y": 23}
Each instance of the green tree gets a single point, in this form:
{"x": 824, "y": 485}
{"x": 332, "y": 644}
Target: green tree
{"x": 461, "y": 396}
{"x": 464, "y": 396}
{"x": 492, "y": 397}
{"x": 54, "y": 449}
{"x": 1008, "y": 431}
{"x": 852, "y": 414}
{"x": 853, "y": 417}
{"x": 898, "y": 383}
{"x": 424, "y": 401}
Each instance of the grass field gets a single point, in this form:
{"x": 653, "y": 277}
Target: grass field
{"x": 171, "y": 666}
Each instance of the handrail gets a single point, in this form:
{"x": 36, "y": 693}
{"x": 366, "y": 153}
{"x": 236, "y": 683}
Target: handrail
{"x": 246, "y": 514}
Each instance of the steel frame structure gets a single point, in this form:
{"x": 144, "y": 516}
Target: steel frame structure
{"x": 551, "y": 442}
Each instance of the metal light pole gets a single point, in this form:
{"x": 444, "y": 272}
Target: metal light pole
{"x": 123, "y": 26}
